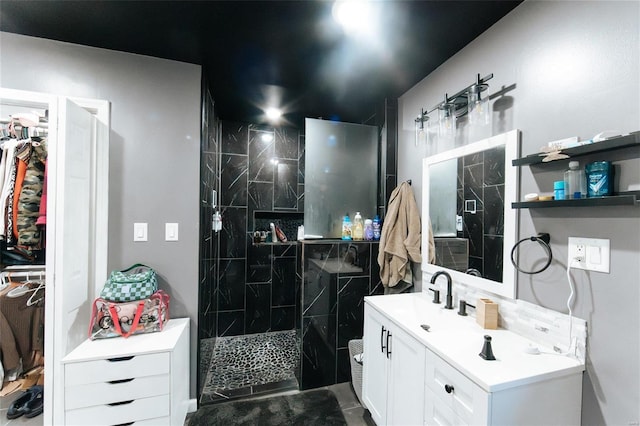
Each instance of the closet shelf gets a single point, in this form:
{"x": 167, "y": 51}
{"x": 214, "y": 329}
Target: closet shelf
{"x": 632, "y": 139}
{"x": 629, "y": 198}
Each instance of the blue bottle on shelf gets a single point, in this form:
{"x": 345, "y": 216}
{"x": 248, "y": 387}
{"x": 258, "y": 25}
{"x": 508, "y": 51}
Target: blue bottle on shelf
{"x": 376, "y": 228}
{"x": 346, "y": 228}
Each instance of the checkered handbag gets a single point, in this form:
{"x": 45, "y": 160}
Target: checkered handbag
{"x": 134, "y": 283}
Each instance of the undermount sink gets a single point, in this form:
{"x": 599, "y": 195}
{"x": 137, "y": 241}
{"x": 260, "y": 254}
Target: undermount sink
{"x": 335, "y": 265}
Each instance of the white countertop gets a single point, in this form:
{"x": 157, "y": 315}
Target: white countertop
{"x": 138, "y": 344}
{"x": 459, "y": 340}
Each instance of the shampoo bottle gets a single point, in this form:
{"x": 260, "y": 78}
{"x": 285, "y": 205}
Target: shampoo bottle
{"x": 376, "y": 228}
{"x": 358, "y": 227}
{"x": 368, "y": 229}
{"x": 346, "y": 228}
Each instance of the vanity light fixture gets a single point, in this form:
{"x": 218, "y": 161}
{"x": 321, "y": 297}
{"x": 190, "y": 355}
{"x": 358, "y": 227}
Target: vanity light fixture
{"x": 421, "y": 131}
{"x": 458, "y": 105}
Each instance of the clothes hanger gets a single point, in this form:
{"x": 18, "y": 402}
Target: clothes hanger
{"x": 30, "y": 301}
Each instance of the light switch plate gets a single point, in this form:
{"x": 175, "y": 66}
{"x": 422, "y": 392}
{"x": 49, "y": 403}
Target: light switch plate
{"x": 140, "y": 232}
{"x": 171, "y": 232}
{"x": 592, "y": 254}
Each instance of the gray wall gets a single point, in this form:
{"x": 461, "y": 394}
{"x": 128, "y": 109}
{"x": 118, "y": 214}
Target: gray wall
{"x": 154, "y": 150}
{"x": 576, "y": 70}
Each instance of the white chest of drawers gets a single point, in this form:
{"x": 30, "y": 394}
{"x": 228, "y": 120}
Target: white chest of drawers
{"x": 140, "y": 380}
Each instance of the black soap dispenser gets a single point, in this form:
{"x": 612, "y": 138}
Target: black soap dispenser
{"x": 487, "y": 352}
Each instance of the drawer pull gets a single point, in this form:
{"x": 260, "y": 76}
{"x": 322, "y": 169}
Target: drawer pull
{"x": 115, "y": 382}
{"x": 382, "y": 339}
{"x": 125, "y": 424}
{"x": 121, "y": 403}
{"x": 448, "y": 388}
{"x": 122, "y": 358}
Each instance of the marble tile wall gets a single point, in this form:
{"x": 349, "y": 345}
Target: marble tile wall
{"x": 333, "y": 307}
{"x": 247, "y": 288}
{"x": 261, "y": 173}
{"x": 209, "y": 247}
{"x": 481, "y": 203}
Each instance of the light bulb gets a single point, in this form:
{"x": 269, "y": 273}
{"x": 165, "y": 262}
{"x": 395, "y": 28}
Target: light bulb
{"x": 479, "y": 110}
{"x": 447, "y": 116}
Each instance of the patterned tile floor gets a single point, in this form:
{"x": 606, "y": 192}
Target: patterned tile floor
{"x": 248, "y": 365}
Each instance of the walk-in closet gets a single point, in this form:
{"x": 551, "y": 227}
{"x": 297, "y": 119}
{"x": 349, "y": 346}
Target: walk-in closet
{"x": 53, "y": 242}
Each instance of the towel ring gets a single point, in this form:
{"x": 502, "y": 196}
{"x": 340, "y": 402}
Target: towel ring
{"x": 542, "y": 239}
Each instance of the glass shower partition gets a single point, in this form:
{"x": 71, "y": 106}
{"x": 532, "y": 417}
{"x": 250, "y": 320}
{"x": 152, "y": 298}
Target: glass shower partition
{"x": 341, "y": 175}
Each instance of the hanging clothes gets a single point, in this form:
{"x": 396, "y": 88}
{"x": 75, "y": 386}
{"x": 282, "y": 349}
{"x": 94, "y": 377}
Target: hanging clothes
{"x": 8, "y": 350}
{"x": 23, "y": 155}
{"x": 7, "y": 167}
{"x": 399, "y": 239}
{"x": 29, "y": 234}
{"x": 42, "y": 213}
{"x": 25, "y": 323}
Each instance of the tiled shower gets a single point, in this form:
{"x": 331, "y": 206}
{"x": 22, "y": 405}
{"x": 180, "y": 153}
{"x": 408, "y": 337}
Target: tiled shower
{"x": 250, "y": 293}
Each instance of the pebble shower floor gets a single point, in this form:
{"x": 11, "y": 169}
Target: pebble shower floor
{"x": 240, "y": 366}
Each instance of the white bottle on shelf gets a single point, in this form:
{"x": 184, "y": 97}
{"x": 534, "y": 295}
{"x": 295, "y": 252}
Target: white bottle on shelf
{"x": 575, "y": 182}
{"x": 358, "y": 227}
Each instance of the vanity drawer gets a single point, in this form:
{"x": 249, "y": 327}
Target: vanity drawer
{"x": 467, "y": 400}
{"x": 436, "y": 412}
{"x": 91, "y": 394}
{"x": 106, "y": 370}
{"x": 158, "y": 421}
{"x": 126, "y": 412}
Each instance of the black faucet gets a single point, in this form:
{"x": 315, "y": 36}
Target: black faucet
{"x": 449, "y": 304}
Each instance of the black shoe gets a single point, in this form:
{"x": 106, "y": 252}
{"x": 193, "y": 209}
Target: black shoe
{"x": 35, "y": 405}
{"x": 19, "y": 406}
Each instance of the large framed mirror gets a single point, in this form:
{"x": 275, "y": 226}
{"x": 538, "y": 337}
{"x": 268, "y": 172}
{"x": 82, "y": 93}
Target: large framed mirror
{"x": 466, "y": 201}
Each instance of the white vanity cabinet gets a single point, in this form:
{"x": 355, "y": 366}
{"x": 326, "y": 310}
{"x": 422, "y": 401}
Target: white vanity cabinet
{"x": 418, "y": 377}
{"x": 393, "y": 368}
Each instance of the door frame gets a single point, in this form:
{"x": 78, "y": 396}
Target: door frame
{"x": 99, "y": 211}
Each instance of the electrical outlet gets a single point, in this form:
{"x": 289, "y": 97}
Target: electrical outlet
{"x": 579, "y": 254}
{"x": 591, "y": 254}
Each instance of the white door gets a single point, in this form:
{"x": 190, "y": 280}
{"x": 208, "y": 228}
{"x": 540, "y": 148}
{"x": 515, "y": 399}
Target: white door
{"x": 375, "y": 365}
{"x": 69, "y": 252}
{"x": 405, "y": 400}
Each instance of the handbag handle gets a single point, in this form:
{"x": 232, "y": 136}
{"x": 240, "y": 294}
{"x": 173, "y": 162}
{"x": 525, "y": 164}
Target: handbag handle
{"x": 134, "y": 325}
{"x": 137, "y": 265}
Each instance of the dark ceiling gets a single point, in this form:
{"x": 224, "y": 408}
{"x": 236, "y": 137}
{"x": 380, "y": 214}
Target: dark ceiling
{"x": 253, "y": 51}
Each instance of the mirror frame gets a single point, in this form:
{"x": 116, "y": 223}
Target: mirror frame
{"x": 511, "y": 142}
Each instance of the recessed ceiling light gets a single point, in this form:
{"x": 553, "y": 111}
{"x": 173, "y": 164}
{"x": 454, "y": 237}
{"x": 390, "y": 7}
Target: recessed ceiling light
{"x": 273, "y": 114}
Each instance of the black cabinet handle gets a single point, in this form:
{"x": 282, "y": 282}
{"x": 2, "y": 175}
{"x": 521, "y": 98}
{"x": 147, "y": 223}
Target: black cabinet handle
{"x": 448, "y": 388}
{"x": 388, "y": 348}
{"x": 122, "y": 358}
{"x": 115, "y": 382}
{"x": 382, "y": 339}
{"x": 113, "y": 404}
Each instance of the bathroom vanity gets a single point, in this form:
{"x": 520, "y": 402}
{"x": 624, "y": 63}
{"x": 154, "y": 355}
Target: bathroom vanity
{"x": 416, "y": 375}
